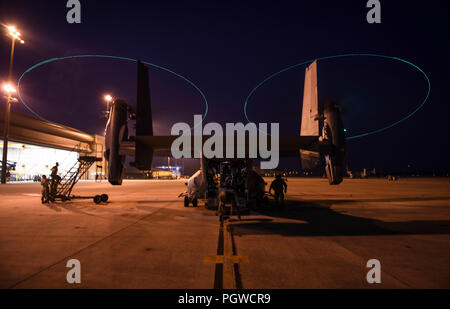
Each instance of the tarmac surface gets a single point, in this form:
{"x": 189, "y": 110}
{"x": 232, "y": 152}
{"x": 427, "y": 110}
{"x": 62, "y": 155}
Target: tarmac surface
{"x": 143, "y": 237}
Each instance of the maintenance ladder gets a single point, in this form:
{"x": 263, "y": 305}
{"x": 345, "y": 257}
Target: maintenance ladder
{"x": 65, "y": 185}
{"x": 75, "y": 173}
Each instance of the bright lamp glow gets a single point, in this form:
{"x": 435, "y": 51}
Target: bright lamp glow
{"x": 15, "y": 34}
{"x": 9, "y": 88}
{"x": 108, "y": 98}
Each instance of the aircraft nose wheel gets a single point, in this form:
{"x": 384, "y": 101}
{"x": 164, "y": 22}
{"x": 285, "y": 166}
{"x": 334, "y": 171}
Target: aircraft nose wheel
{"x": 194, "y": 202}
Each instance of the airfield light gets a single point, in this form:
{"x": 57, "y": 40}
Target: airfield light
{"x": 12, "y": 30}
{"x": 108, "y": 98}
{"x": 14, "y": 33}
{"x": 8, "y": 88}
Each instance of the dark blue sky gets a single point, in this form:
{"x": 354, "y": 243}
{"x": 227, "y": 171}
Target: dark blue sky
{"x": 226, "y": 48}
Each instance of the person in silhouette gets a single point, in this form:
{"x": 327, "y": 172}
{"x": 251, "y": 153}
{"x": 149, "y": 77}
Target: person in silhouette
{"x": 279, "y": 187}
{"x": 54, "y": 170}
{"x": 55, "y": 180}
{"x": 228, "y": 197}
{"x": 44, "y": 184}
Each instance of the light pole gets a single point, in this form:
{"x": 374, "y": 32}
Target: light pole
{"x": 9, "y": 90}
{"x": 15, "y": 35}
{"x": 108, "y": 99}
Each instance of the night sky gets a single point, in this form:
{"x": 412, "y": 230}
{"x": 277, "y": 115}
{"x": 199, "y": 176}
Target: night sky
{"x": 226, "y": 48}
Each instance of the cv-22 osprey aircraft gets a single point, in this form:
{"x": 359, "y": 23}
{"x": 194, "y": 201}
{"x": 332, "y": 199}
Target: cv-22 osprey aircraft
{"x": 217, "y": 174}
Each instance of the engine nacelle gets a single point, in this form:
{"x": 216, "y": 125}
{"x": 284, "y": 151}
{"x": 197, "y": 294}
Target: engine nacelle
{"x": 196, "y": 185}
{"x": 116, "y": 131}
{"x": 334, "y": 135}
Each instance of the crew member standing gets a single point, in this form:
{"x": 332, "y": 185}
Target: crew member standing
{"x": 44, "y": 184}
{"x": 54, "y": 176}
{"x": 279, "y": 186}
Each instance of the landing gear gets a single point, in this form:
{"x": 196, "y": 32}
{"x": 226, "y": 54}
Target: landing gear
{"x": 194, "y": 201}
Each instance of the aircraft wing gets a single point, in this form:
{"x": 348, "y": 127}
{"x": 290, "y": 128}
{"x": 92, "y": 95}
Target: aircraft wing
{"x": 289, "y": 146}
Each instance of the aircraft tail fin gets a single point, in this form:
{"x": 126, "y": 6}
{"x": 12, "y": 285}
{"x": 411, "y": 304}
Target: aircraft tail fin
{"x": 310, "y": 109}
{"x": 144, "y": 119}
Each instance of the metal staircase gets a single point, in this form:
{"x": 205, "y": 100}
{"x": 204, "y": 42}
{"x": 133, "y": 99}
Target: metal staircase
{"x": 75, "y": 173}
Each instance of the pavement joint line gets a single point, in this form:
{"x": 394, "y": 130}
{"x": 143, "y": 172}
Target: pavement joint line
{"x": 86, "y": 247}
{"x": 115, "y": 218}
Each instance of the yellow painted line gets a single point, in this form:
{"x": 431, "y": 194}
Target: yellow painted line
{"x": 238, "y": 259}
{"x": 228, "y": 268}
{"x": 215, "y": 259}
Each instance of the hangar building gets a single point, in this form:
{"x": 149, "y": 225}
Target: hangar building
{"x": 36, "y": 145}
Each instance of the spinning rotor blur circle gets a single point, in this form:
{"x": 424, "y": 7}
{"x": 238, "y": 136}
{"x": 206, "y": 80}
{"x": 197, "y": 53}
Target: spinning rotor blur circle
{"x": 110, "y": 57}
{"x": 349, "y": 55}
